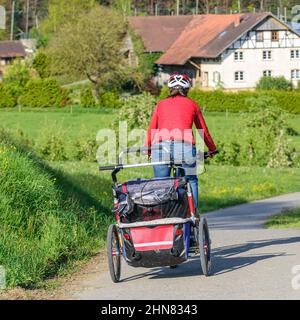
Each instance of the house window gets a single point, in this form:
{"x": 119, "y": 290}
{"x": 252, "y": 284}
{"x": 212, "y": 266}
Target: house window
{"x": 267, "y": 55}
{"x": 259, "y": 36}
{"x": 239, "y": 56}
{"x": 239, "y": 76}
{"x": 267, "y": 73}
{"x": 295, "y": 54}
{"x": 275, "y": 35}
{"x": 295, "y": 74}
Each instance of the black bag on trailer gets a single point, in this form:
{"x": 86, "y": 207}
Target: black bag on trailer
{"x": 157, "y": 198}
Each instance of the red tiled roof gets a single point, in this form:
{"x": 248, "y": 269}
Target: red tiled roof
{"x": 208, "y": 35}
{"x": 11, "y": 49}
{"x": 159, "y": 32}
{"x": 230, "y": 34}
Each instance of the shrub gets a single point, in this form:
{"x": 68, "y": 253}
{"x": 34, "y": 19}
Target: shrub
{"x": 87, "y": 99}
{"x": 43, "y": 93}
{"x": 282, "y": 154}
{"x": 110, "y": 99}
{"x": 261, "y": 137}
{"x": 53, "y": 149}
{"x": 16, "y": 76}
{"x": 85, "y": 149}
{"x": 274, "y": 83}
{"x": 137, "y": 110}
{"x": 7, "y": 96}
{"x": 41, "y": 64}
{"x": 17, "y": 73}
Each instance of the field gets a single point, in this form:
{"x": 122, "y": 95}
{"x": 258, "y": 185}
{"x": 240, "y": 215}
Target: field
{"x": 76, "y": 123}
{"x": 219, "y": 186}
{"x": 79, "y": 196}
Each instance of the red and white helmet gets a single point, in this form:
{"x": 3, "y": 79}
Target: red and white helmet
{"x": 179, "y": 80}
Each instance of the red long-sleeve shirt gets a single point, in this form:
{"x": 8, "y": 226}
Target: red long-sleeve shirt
{"x": 173, "y": 119}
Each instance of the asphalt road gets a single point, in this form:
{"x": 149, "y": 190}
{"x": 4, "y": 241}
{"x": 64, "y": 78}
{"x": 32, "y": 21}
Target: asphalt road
{"x": 249, "y": 262}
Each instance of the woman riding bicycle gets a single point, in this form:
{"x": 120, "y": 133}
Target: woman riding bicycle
{"x": 171, "y": 128}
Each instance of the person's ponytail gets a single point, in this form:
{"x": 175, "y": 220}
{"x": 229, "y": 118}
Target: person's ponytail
{"x": 178, "y": 92}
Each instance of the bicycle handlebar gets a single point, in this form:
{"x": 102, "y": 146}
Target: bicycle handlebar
{"x": 120, "y": 166}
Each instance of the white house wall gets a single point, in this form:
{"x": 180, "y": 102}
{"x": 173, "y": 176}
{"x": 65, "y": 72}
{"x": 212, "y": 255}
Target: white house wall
{"x": 253, "y": 64}
{"x": 210, "y": 68}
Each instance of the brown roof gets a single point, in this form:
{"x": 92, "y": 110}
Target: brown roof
{"x": 208, "y": 35}
{"x": 159, "y": 32}
{"x": 230, "y": 34}
{"x": 11, "y": 49}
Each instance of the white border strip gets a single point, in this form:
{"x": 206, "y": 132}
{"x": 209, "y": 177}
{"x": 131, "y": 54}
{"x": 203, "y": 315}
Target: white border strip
{"x": 149, "y": 244}
{"x": 155, "y": 222}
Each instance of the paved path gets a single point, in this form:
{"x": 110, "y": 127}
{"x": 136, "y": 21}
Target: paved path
{"x": 249, "y": 262}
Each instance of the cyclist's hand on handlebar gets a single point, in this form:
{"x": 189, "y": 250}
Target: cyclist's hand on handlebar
{"x": 212, "y": 153}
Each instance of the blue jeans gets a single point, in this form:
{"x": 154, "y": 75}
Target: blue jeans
{"x": 182, "y": 152}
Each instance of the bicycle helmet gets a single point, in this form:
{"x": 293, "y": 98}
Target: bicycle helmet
{"x": 179, "y": 81}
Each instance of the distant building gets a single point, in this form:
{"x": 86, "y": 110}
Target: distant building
{"x": 10, "y": 50}
{"x": 229, "y": 51}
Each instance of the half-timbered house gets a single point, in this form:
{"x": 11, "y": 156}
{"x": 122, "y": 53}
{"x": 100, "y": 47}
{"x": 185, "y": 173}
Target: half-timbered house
{"x": 229, "y": 51}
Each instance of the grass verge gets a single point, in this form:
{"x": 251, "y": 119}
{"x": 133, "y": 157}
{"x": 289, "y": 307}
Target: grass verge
{"x": 287, "y": 219}
{"x": 47, "y": 223}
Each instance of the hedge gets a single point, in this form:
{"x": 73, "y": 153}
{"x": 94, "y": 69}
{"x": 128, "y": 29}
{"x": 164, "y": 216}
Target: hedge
{"x": 7, "y": 97}
{"x": 219, "y": 100}
{"x": 87, "y": 99}
{"x": 41, "y": 93}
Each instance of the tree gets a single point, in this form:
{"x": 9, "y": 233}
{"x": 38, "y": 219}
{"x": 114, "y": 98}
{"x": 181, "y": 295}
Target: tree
{"x": 91, "y": 47}
{"x": 60, "y": 11}
{"x": 41, "y": 64}
{"x": 124, "y": 6}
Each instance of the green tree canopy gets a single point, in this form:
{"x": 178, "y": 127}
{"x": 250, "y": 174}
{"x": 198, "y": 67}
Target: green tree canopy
{"x": 91, "y": 47}
{"x": 60, "y": 11}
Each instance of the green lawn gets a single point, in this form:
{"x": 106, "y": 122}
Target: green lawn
{"x": 288, "y": 219}
{"x": 36, "y": 124}
{"x": 86, "y": 123}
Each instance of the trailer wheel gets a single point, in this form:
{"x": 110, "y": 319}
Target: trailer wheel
{"x": 204, "y": 247}
{"x": 114, "y": 253}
